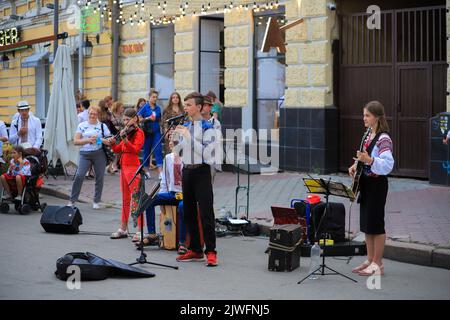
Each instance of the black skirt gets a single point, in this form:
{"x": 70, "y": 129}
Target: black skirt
{"x": 373, "y": 193}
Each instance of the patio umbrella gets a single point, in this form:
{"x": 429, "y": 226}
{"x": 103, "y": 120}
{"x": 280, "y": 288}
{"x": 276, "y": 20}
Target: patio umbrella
{"x": 61, "y": 122}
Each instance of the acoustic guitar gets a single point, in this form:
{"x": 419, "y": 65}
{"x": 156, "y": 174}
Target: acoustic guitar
{"x": 359, "y": 166}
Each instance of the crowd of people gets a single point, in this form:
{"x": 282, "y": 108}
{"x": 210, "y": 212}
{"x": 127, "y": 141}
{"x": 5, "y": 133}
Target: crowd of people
{"x": 112, "y": 139}
{"x": 134, "y": 135}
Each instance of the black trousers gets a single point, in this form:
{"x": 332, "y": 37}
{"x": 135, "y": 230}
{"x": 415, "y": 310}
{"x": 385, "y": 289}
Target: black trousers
{"x": 197, "y": 189}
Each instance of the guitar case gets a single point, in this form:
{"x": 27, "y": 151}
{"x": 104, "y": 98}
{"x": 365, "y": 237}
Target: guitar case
{"x": 93, "y": 267}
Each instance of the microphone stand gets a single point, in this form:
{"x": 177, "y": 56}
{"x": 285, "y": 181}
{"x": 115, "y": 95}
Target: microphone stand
{"x": 143, "y": 204}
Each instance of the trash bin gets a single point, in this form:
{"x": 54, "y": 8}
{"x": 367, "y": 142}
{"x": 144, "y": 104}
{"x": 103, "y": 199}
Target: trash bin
{"x": 439, "y": 152}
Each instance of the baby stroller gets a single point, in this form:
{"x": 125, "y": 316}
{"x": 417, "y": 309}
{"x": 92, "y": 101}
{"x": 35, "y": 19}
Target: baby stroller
{"x": 30, "y": 194}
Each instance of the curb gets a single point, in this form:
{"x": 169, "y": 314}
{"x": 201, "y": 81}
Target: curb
{"x": 59, "y": 194}
{"x": 414, "y": 253}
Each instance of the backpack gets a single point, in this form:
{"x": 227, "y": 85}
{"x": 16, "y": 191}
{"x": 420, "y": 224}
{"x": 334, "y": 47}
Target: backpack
{"x": 251, "y": 230}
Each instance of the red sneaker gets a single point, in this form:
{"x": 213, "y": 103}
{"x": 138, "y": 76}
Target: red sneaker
{"x": 191, "y": 256}
{"x": 211, "y": 259}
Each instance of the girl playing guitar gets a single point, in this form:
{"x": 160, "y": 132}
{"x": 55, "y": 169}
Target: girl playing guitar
{"x": 373, "y": 186}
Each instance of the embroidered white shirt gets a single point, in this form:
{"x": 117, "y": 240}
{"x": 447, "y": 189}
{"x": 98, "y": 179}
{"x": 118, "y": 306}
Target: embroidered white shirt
{"x": 171, "y": 175}
{"x": 382, "y": 153}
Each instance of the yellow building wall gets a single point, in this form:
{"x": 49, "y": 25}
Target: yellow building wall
{"x": 18, "y": 83}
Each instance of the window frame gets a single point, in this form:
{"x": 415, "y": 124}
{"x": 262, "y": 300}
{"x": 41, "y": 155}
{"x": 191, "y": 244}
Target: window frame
{"x": 221, "y": 93}
{"x": 153, "y": 63}
{"x": 267, "y": 13}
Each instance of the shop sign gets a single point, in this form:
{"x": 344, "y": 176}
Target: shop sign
{"x": 133, "y": 47}
{"x": 9, "y": 36}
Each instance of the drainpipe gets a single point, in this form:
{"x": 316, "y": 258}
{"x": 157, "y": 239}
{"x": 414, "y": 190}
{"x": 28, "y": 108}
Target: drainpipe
{"x": 80, "y": 61}
{"x": 38, "y": 8}
{"x": 115, "y": 44}
{"x": 13, "y": 7}
{"x": 55, "y": 26}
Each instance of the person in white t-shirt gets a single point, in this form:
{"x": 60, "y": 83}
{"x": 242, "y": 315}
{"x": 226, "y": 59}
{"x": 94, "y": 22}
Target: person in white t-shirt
{"x": 3, "y": 136}
{"x": 83, "y": 115}
{"x": 90, "y": 135}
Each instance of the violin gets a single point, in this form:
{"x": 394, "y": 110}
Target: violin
{"x": 127, "y": 130}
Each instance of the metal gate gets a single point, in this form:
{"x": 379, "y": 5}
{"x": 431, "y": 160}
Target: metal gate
{"x": 403, "y": 64}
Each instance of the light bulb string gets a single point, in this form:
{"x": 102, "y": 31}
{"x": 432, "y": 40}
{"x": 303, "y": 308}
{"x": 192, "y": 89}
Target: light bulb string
{"x": 163, "y": 18}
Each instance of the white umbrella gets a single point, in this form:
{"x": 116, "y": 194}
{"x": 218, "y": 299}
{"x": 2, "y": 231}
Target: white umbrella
{"x": 61, "y": 122}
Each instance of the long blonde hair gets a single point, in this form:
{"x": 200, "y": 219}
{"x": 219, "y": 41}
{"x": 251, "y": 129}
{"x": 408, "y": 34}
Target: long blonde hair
{"x": 116, "y": 106}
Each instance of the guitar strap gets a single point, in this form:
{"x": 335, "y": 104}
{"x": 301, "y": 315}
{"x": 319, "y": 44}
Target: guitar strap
{"x": 373, "y": 143}
{"x": 369, "y": 152}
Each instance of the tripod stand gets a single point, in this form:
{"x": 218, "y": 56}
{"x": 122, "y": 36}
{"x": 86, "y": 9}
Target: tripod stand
{"x": 320, "y": 186}
{"x": 145, "y": 201}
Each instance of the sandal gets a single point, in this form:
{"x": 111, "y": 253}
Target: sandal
{"x": 136, "y": 237}
{"x": 119, "y": 234}
{"x": 373, "y": 268}
{"x": 361, "y": 267}
{"x": 149, "y": 240}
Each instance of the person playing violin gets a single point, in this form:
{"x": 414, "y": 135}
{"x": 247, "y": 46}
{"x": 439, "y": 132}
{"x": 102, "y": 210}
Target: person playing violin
{"x": 132, "y": 141}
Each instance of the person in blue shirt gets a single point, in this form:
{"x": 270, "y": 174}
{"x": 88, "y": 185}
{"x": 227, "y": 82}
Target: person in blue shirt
{"x": 150, "y": 116}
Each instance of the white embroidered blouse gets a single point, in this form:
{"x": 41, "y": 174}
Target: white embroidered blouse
{"x": 382, "y": 154}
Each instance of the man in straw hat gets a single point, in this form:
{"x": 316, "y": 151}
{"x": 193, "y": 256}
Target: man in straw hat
{"x": 25, "y": 129}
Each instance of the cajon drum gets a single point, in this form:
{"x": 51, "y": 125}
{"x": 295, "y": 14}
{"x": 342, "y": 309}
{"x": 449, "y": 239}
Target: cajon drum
{"x": 168, "y": 227}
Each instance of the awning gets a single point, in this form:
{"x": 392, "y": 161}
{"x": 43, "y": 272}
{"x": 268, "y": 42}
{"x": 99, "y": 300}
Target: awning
{"x": 34, "y": 60}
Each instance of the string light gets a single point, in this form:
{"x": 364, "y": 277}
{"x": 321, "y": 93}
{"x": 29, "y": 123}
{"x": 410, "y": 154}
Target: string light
{"x": 183, "y": 9}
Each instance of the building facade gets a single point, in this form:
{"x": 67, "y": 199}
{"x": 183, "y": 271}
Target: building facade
{"x": 310, "y": 96}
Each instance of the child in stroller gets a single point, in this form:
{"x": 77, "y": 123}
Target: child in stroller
{"x": 23, "y": 180}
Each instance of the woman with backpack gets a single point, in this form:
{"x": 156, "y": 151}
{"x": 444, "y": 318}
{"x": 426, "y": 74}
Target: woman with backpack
{"x": 90, "y": 135}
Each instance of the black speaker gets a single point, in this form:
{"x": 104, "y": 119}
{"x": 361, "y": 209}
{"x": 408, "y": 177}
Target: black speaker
{"x": 60, "y": 219}
{"x": 333, "y": 222}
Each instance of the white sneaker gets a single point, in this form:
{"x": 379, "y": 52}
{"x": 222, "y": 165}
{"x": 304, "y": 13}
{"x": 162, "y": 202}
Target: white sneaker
{"x": 6, "y": 197}
{"x": 96, "y": 206}
{"x": 71, "y": 204}
{"x": 18, "y": 198}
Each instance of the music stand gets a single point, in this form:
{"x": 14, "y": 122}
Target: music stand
{"x": 326, "y": 188}
{"x": 145, "y": 200}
